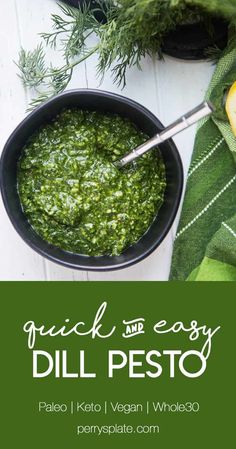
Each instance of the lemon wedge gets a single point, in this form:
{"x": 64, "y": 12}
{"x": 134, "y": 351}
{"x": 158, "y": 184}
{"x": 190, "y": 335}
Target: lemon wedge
{"x": 230, "y": 107}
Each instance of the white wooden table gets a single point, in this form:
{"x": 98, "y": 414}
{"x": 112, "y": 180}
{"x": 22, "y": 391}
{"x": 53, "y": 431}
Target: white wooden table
{"x": 167, "y": 88}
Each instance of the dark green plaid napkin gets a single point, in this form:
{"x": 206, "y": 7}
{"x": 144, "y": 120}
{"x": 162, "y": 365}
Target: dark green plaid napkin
{"x": 205, "y": 246}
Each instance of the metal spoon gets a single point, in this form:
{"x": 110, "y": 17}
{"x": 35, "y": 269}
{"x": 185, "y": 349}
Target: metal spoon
{"x": 187, "y": 120}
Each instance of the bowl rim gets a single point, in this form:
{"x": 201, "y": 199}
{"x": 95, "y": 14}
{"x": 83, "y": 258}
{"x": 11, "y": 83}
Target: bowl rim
{"x": 83, "y": 266}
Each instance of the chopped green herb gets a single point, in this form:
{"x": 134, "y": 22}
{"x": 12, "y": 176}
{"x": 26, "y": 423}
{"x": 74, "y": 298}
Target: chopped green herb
{"x": 73, "y": 195}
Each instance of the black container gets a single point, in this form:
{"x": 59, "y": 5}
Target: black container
{"x": 187, "y": 41}
{"x": 191, "y": 41}
{"x": 92, "y": 3}
{"x": 103, "y": 102}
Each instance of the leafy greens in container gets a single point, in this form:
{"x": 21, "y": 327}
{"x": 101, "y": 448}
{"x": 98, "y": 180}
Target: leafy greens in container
{"x": 131, "y": 30}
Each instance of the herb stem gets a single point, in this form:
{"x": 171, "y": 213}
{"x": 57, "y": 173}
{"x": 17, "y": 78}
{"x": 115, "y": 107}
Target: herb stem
{"x": 74, "y": 64}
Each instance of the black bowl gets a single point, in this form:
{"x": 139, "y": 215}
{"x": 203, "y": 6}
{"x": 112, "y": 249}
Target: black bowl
{"x": 104, "y": 102}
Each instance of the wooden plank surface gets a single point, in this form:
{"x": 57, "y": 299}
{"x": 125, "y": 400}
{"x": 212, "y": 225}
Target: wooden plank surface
{"x": 167, "y": 88}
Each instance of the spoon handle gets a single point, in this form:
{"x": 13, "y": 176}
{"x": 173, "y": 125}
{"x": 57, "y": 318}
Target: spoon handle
{"x": 187, "y": 120}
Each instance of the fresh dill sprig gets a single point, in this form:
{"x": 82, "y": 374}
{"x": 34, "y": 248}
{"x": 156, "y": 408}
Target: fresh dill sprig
{"x": 32, "y": 66}
{"x": 131, "y": 30}
{"x": 69, "y": 35}
{"x": 72, "y": 29}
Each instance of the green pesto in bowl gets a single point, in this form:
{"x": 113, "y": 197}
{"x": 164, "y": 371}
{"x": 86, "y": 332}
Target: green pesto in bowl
{"x": 73, "y": 195}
